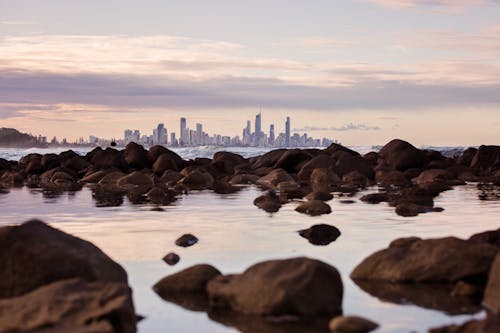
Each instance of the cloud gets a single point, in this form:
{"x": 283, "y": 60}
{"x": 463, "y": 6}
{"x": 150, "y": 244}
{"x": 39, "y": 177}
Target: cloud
{"x": 347, "y": 127}
{"x": 432, "y": 3}
{"x": 318, "y": 42}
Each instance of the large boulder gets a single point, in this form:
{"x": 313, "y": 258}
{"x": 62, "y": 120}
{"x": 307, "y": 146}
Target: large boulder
{"x": 34, "y": 254}
{"x": 320, "y": 161}
{"x": 109, "y": 158}
{"x": 269, "y": 159}
{"x": 226, "y": 162}
{"x": 156, "y": 151}
{"x": 193, "y": 279}
{"x": 314, "y": 208}
{"x": 72, "y": 305}
{"x": 446, "y": 260}
{"x": 268, "y": 202}
{"x": 401, "y": 155}
{"x": 136, "y": 156}
{"x": 163, "y": 163}
{"x": 272, "y": 179}
{"x": 292, "y": 160}
{"x": 351, "y": 324}
{"x": 320, "y": 234}
{"x": 323, "y": 180}
{"x": 491, "y": 324}
{"x": 137, "y": 182}
{"x": 492, "y": 293}
{"x": 299, "y": 286}
{"x": 487, "y": 158}
{"x": 346, "y": 163}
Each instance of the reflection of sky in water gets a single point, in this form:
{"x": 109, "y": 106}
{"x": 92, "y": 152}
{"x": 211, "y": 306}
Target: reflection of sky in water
{"x": 234, "y": 235}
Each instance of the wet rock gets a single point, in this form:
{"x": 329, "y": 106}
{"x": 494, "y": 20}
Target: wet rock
{"x": 161, "y": 196}
{"x": 320, "y": 234}
{"x": 109, "y": 158}
{"x": 136, "y": 183}
{"x": 491, "y": 237}
{"x": 198, "y": 179}
{"x": 320, "y": 161}
{"x": 170, "y": 177}
{"x": 275, "y": 177}
{"x": 467, "y": 156}
{"x": 432, "y": 176}
{"x": 492, "y": 292}
{"x": 292, "y": 160}
{"x": 335, "y": 147}
{"x": 323, "y": 196}
{"x": 401, "y": 155}
{"x": 323, "y": 180}
{"x": 71, "y": 305}
{"x": 190, "y": 280}
{"x": 50, "y": 161}
{"x": 109, "y": 183}
{"x": 434, "y": 296}
{"x": 156, "y": 151}
{"x": 347, "y": 201}
{"x": 347, "y": 163}
{"x": 464, "y": 289}
{"x": 136, "y": 156}
{"x": 375, "y": 198}
{"x": 267, "y": 160}
{"x": 163, "y": 163}
{"x": 52, "y": 255}
{"x": 171, "y": 258}
{"x": 314, "y": 208}
{"x": 186, "y": 240}
{"x": 392, "y": 178}
{"x": 34, "y": 167}
{"x": 409, "y": 209}
{"x": 351, "y": 324}
{"x": 11, "y": 178}
{"x": 432, "y": 260}
{"x": 75, "y": 163}
{"x": 489, "y": 325}
{"x": 226, "y": 162}
{"x": 299, "y": 287}
{"x": 355, "y": 178}
{"x": 94, "y": 177}
{"x": 243, "y": 179}
{"x": 268, "y": 202}
{"x": 486, "y": 159}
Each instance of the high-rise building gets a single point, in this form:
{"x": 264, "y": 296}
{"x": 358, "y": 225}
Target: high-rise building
{"x": 127, "y": 135}
{"x": 271, "y": 135}
{"x": 258, "y": 124}
{"x": 287, "y": 132}
{"x": 199, "y": 134}
{"x": 184, "y": 134}
{"x": 173, "y": 140}
{"x": 161, "y": 134}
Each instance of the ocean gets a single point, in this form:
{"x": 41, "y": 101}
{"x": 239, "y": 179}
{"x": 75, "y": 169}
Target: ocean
{"x": 234, "y": 235}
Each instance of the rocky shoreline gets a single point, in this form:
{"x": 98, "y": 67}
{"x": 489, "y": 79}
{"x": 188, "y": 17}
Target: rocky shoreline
{"x": 51, "y": 281}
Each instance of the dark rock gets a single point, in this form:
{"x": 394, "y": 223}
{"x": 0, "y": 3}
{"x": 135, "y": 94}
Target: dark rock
{"x": 198, "y": 179}
{"x": 94, "y": 177}
{"x": 320, "y": 234}
{"x": 491, "y": 237}
{"x": 335, "y": 147}
{"x": 171, "y": 258}
{"x": 268, "y": 202}
{"x": 109, "y": 158}
{"x": 314, "y": 208}
{"x": 186, "y": 240}
{"x": 136, "y": 156}
{"x": 351, "y": 324}
{"x": 320, "y": 161}
{"x": 170, "y": 177}
{"x": 109, "y": 183}
{"x": 347, "y": 201}
{"x": 355, "y": 178}
{"x": 163, "y": 163}
{"x": 489, "y": 325}
{"x": 467, "y": 156}
{"x": 375, "y": 198}
{"x": 401, "y": 155}
{"x": 347, "y": 163}
{"x": 292, "y": 160}
{"x": 226, "y": 162}
{"x": 190, "y": 280}
{"x": 492, "y": 292}
{"x": 136, "y": 183}
{"x": 464, "y": 289}
{"x": 50, "y": 161}
{"x": 267, "y": 160}
{"x": 299, "y": 287}
{"x": 75, "y": 163}
{"x": 275, "y": 177}
{"x": 433, "y": 260}
{"x": 161, "y": 196}
{"x": 52, "y": 255}
{"x": 11, "y": 178}
{"x": 156, "y": 151}
{"x": 323, "y": 180}
{"x": 392, "y": 178}
{"x": 71, "y": 305}
{"x": 486, "y": 159}
{"x": 323, "y": 196}
{"x": 242, "y": 179}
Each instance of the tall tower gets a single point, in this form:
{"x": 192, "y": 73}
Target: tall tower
{"x": 199, "y": 134}
{"x": 287, "y": 132}
{"x": 271, "y": 135}
{"x": 258, "y": 124}
{"x": 183, "y": 133}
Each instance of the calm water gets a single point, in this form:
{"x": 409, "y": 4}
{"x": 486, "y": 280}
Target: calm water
{"x": 234, "y": 235}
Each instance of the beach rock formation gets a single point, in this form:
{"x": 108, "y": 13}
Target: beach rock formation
{"x": 186, "y": 240}
{"x": 320, "y": 234}
{"x": 351, "y": 324}
{"x": 171, "y": 258}
{"x": 299, "y": 287}
{"x": 71, "y": 305}
{"x": 34, "y": 254}
{"x": 314, "y": 208}
{"x": 401, "y": 155}
{"x": 268, "y": 202}
{"x": 491, "y": 324}
{"x": 190, "y": 280}
{"x": 492, "y": 293}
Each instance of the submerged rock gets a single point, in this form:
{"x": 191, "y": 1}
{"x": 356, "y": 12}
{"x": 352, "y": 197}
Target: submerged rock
{"x": 299, "y": 287}
{"x": 320, "y": 234}
{"x": 314, "y": 208}
{"x": 34, "y": 254}
{"x": 186, "y": 240}
{"x": 190, "y": 280}
{"x": 171, "y": 258}
{"x": 351, "y": 324}
{"x": 268, "y": 202}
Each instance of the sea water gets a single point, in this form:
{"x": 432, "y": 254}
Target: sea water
{"x": 234, "y": 235}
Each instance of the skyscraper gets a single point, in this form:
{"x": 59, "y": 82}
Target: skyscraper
{"x": 258, "y": 124}
{"x": 199, "y": 134}
{"x": 183, "y": 133}
{"x": 161, "y": 134}
{"x": 287, "y": 132}
{"x": 271, "y": 135}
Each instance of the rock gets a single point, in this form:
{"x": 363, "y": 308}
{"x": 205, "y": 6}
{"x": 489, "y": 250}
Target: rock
{"x": 346, "y": 163}
{"x": 446, "y": 260}
{"x": 289, "y": 186}
{"x": 198, "y": 179}
{"x": 72, "y": 305}
{"x": 351, "y": 324}
{"x": 489, "y": 325}
{"x": 323, "y": 196}
{"x": 136, "y": 182}
{"x": 34, "y": 167}
{"x": 161, "y": 196}
{"x": 432, "y": 176}
{"x": 171, "y": 258}
{"x": 190, "y": 280}
{"x": 186, "y": 240}
{"x": 94, "y": 177}
{"x": 464, "y": 289}
{"x": 109, "y": 183}
{"x": 491, "y": 237}
{"x": 52, "y": 255}
{"x": 292, "y": 160}
{"x": 467, "y": 156}
{"x": 392, "y": 178}
{"x": 401, "y": 155}
{"x": 375, "y": 198}
{"x": 163, "y": 163}
{"x": 136, "y": 156}
{"x": 50, "y": 161}
{"x": 300, "y": 287}
{"x": 486, "y": 159}
{"x": 409, "y": 209}
{"x": 269, "y": 159}
{"x": 242, "y": 179}
{"x": 226, "y": 162}
{"x": 11, "y": 178}
{"x": 335, "y": 147}
{"x": 355, "y": 178}
{"x": 492, "y": 292}
{"x": 156, "y": 151}
{"x": 323, "y": 180}
{"x": 268, "y": 202}
{"x": 109, "y": 158}
{"x": 275, "y": 177}
{"x": 75, "y": 163}
{"x": 314, "y": 208}
{"x": 320, "y": 161}
{"x": 320, "y": 234}
{"x": 170, "y": 177}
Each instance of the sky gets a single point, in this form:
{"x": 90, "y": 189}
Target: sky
{"x": 359, "y": 71}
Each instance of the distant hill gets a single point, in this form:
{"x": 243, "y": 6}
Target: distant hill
{"x": 12, "y": 138}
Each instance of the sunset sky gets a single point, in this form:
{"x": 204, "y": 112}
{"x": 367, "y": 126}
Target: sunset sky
{"x": 360, "y": 71}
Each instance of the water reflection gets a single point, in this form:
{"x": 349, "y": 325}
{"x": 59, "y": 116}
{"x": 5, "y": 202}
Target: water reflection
{"x": 429, "y": 296}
